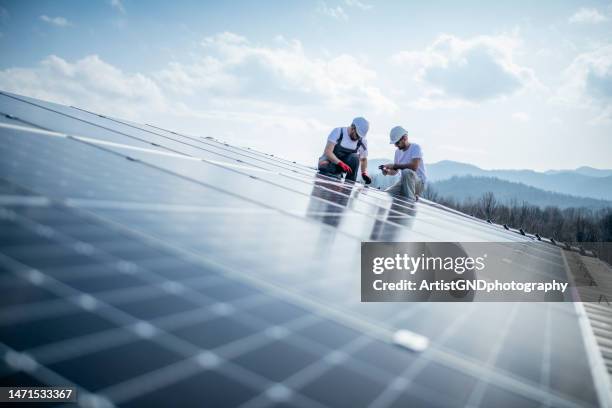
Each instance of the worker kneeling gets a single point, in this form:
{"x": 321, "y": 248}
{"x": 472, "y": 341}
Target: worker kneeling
{"x": 409, "y": 160}
{"x": 346, "y": 149}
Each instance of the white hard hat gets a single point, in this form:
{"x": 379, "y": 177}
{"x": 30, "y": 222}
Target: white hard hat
{"x": 396, "y": 134}
{"x": 362, "y": 126}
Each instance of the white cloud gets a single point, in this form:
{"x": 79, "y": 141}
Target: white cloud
{"x": 358, "y": 4}
{"x": 272, "y": 91}
{"x": 588, "y": 16}
{"x": 56, "y": 21}
{"x": 330, "y": 11}
{"x": 231, "y": 72}
{"x": 521, "y": 116}
{"x": 338, "y": 12}
{"x": 117, "y": 4}
{"x": 454, "y": 71}
{"x": 234, "y": 68}
{"x": 588, "y": 83}
{"x": 87, "y": 82}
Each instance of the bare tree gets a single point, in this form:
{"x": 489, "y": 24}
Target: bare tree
{"x": 487, "y": 204}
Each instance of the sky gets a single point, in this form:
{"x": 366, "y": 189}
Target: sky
{"x": 505, "y": 84}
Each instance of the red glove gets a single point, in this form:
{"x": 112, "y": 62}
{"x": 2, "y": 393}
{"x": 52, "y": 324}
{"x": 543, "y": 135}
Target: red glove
{"x": 344, "y": 167}
{"x": 366, "y": 178}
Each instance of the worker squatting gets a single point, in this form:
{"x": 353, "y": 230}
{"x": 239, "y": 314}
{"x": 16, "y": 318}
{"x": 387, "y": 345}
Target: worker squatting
{"x": 466, "y": 285}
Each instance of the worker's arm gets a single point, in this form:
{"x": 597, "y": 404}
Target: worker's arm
{"x": 329, "y": 152}
{"x": 413, "y": 165}
{"x": 388, "y": 170}
{"x": 364, "y": 165}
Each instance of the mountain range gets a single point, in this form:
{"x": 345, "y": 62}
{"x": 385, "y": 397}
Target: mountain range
{"x": 584, "y": 186}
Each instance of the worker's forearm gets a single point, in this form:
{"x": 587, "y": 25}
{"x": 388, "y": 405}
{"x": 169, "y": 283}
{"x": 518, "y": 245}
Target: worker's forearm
{"x": 332, "y": 157}
{"x": 402, "y": 166}
{"x": 364, "y": 165}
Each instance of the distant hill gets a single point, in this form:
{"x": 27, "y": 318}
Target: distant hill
{"x": 585, "y": 171}
{"x": 470, "y": 187}
{"x": 582, "y": 182}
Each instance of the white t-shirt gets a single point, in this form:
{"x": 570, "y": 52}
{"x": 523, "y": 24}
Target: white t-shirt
{"x": 412, "y": 152}
{"x": 347, "y": 142}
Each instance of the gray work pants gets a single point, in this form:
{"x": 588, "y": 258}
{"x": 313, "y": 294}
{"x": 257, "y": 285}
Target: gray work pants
{"x": 410, "y": 185}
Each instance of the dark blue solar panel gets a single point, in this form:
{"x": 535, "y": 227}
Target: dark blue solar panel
{"x": 211, "y": 278}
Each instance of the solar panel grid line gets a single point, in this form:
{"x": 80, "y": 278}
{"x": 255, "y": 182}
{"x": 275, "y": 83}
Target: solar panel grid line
{"x": 156, "y": 379}
{"x": 177, "y": 344}
{"x": 23, "y": 200}
{"x": 47, "y": 376}
{"x": 280, "y": 173}
{"x": 170, "y": 375}
{"x": 192, "y": 139}
{"x": 219, "y": 189}
{"x": 360, "y": 323}
{"x": 90, "y": 343}
{"x": 332, "y": 203}
{"x": 35, "y": 130}
{"x": 94, "y": 125}
{"x": 129, "y": 389}
{"x": 106, "y": 204}
{"x": 308, "y": 373}
{"x": 245, "y": 151}
{"x": 103, "y": 127}
{"x": 40, "y": 106}
{"x": 15, "y": 120}
{"x": 77, "y": 346}
{"x": 139, "y": 126}
{"x": 149, "y": 276}
{"x": 475, "y": 398}
{"x": 67, "y": 292}
{"x": 242, "y": 351}
{"x": 228, "y": 192}
{"x": 328, "y": 202}
{"x": 335, "y": 182}
{"x": 317, "y": 369}
{"x": 341, "y": 355}
{"x": 546, "y": 366}
{"x": 165, "y": 208}
{"x": 57, "y": 307}
{"x": 447, "y": 357}
{"x": 506, "y": 380}
{"x": 391, "y": 392}
{"x": 94, "y": 141}
{"x": 23, "y": 313}
{"x": 157, "y": 280}
{"x": 292, "y": 297}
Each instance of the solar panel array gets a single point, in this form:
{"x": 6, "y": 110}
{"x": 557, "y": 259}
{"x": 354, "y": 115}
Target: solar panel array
{"x": 150, "y": 268}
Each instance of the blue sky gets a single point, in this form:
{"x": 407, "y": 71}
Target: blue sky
{"x": 504, "y": 85}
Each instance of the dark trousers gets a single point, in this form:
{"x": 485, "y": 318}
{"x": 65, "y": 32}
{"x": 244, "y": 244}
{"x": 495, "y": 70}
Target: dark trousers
{"x": 332, "y": 169}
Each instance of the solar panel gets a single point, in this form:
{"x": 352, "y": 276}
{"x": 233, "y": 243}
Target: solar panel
{"x": 151, "y": 268}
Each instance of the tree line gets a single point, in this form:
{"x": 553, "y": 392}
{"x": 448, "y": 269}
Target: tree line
{"x": 590, "y": 228}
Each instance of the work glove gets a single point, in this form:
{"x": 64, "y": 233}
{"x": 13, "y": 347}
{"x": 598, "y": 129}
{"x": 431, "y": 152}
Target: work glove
{"x": 345, "y": 168}
{"x": 366, "y": 178}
